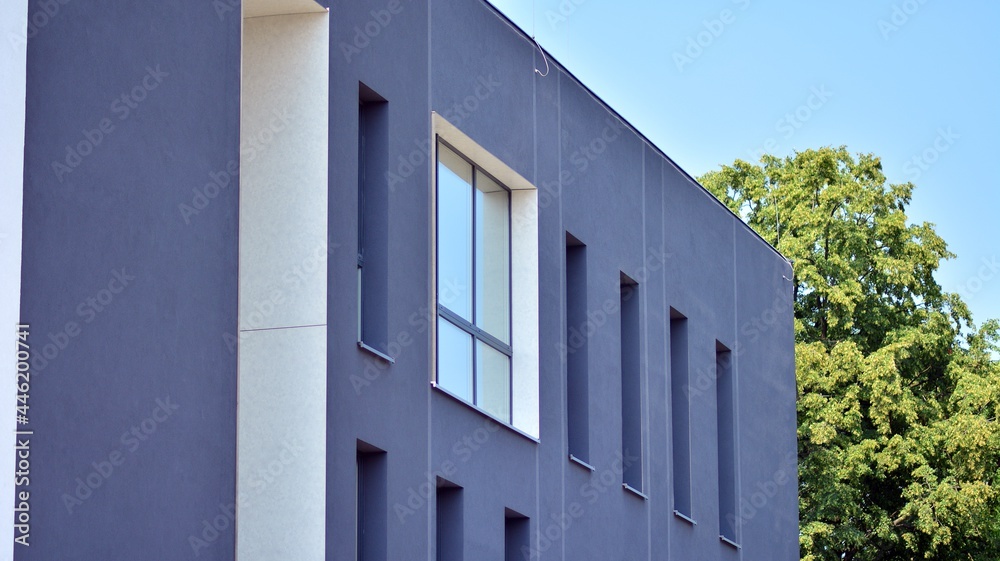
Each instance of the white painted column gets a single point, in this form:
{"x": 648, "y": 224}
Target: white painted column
{"x": 281, "y": 447}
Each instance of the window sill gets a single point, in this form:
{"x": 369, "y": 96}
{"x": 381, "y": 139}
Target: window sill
{"x": 377, "y": 353}
{"x": 685, "y": 518}
{"x": 485, "y": 413}
{"x": 729, "y": 542}
{"x": 581, "y": 463}
{"x": 635, "y": 491}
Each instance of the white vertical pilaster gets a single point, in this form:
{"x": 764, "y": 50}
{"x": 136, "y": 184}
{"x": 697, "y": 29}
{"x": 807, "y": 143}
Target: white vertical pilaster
{"x": 281, "y": 446}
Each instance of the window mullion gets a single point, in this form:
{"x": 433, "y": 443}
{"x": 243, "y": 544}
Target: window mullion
{"x": 476, "y": 332}
{"x": 492, "y": 341}
{"x": 475, "y": 295}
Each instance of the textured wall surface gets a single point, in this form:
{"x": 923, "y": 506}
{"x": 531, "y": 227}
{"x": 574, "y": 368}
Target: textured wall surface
{"x": 638, "y": 214}
{"x": 130, "y": 275}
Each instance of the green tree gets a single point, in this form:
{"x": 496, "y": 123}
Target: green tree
{"x": 898, "y": 392}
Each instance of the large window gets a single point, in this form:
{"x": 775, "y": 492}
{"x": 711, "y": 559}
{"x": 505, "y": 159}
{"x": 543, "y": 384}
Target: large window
{"x": 473, "y": 284}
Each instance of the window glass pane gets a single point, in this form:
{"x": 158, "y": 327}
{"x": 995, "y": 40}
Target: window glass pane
{"x": 492, "y": 258}
{"x": 454, "y": 233}
{"x": 493, "y": 381}
{"x": 454, "y": 359}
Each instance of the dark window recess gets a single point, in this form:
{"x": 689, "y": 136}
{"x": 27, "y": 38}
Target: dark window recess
{"x": 372, "y": 512}
{"x": 373, "y": 220}
{"x": 516, "y": 536}
{"x": 631, "y": 405}
{"x": 577, "y": 376}
{"x": 450, "y": 522}
{"x": 725, "y": 407}
{"x": 680, "y": 412}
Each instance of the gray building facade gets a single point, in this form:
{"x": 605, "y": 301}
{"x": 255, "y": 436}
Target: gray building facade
{"x": 380, "y": 281}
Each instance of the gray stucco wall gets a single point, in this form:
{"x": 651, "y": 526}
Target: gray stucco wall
{"x": 132, "y": 294}
{"x": 161, "y": 336}
{"x": 385, "y": 406}
{"x": 638, "y": 214}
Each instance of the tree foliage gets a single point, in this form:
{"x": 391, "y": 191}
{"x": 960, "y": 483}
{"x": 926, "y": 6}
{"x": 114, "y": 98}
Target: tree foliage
{"x": 898, "y": 392}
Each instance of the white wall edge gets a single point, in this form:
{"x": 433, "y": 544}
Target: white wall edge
{"x": 13, "y": 68}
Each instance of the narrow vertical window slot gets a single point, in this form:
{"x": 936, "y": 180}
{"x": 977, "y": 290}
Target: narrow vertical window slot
{"x": 631, "y": 384}
{"x": 372, "y": 512}
{"x": 680, "y": 413}
{"x": 373, "y": 220}
{"x": 449, "y": 520}
{"x": 516, "y": 532}
{"x": 726, "y": 413}
{"x": 577, "y": 376}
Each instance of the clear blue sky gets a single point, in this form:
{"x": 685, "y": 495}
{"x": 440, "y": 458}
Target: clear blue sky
{"x": 898, "y": 75}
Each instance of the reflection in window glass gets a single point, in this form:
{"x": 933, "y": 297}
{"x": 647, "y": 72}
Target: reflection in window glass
{"x": 493, "y": 381}
{"x": 454, "y": 233}
{"x": 473, "y": 271}
{"x": 454, "y": 359}
{"x": 492, "y": 258}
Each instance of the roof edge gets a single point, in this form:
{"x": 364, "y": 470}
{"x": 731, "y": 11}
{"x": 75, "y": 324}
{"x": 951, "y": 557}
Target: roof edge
{"x": 555, "y": 62}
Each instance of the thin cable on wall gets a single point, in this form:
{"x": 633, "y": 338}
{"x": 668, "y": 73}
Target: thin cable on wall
{"x": 777, "y": 241}
{"x": 791, "y": 267}
{"x": 534, "y": 16}
{"x": 544, "y": 57}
